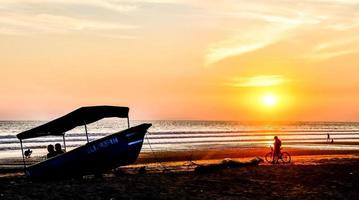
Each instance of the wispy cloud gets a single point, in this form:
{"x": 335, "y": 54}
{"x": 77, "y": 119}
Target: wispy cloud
{"x": 331, "y": 54}
{"x": 257, "y": 81}
{"x": 338, "y": 43}
{"x": 121, "y": 6}
{"x": 240, "y": 26}
{"x": 21, "y": 24}
{"x": 19, "y": 17}
{"x": 261, "y": 24}
{"x": 334, "y": 48}
{"x": 345, "y": 2}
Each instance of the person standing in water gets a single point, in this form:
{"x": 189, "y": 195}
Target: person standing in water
{"x": 277, "y": 147}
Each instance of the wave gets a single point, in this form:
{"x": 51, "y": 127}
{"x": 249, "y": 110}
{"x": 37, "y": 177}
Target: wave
{"x": 173, "y": 135}
{"x": 248, "y": 132}
{"x": 208, "y": 141}
{"x": 183, "y": 137}
{"x": 322, "y": 131}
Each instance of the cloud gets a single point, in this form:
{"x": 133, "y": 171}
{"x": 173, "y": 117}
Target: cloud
{"x": 261, "y": 24}
{"x": 23, "y": 17}
{"x": 21, "y": 24}
{"x": 336, "y": 43}
{"x": 257, "y": 81}
{"x": 332, "y": 54}
{"x": 334, "y": 48}
{"x": 120, "y": 6}
{"x": 19, "y": 17}
{"x": 345, "y": 2}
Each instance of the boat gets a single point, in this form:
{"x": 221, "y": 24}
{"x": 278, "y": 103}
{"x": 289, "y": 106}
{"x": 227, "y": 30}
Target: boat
{"x": 95, "y": 157}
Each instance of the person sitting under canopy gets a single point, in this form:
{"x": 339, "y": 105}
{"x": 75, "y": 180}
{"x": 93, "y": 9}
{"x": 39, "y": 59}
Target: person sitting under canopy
{"x": 58, "y": 149}
{"x": 51, "y": 151}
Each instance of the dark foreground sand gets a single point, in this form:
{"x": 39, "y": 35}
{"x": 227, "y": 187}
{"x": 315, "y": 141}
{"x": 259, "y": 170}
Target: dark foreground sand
{"x": 324, "y": 179}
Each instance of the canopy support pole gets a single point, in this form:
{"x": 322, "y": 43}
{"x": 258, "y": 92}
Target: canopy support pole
{"x": 63, "y": 137}
{"x": 128, "y": 122}
{"x": 87, "y": 136}
{"x": 23, "y": 157}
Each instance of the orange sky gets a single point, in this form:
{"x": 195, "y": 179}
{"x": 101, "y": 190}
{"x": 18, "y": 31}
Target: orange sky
{"x": 177, "y": 59}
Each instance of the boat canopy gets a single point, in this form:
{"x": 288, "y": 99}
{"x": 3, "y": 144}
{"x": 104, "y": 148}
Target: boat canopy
{"x": 79, "y": 117}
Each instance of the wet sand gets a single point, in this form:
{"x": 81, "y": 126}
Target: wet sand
{"x": 299, "y": 156}
{"x": 250, "y": 152}
{"x": 14, "y": 164}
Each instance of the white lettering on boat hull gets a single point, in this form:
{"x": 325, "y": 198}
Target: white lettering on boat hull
{"x": 102, "y": 145}
{"x": 134, "y": 142}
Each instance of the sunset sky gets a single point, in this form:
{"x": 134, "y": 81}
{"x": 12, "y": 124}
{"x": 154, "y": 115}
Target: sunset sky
{"x": 205, "y": 60}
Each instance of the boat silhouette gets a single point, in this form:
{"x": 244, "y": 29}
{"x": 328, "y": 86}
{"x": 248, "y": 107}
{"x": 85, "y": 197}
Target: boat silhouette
{"x": 118, "y": 149}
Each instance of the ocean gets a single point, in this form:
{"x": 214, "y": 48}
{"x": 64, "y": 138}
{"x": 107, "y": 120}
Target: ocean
{"x": 182, "y": 135}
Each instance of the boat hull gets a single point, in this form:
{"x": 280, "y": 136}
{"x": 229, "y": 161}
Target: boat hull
{"x": 118, "y": 149}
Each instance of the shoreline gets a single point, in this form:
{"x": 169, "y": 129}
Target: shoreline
{"x": 299, "y": 157}
{"x": 239, "y": 152}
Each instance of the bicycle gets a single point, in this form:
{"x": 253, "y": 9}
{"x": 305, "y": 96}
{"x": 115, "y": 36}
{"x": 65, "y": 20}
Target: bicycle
{"x": 284, "y": 157}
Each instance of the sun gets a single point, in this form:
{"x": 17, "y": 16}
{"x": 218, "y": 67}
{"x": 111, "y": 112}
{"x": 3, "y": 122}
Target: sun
{"x": 269, "y": 100}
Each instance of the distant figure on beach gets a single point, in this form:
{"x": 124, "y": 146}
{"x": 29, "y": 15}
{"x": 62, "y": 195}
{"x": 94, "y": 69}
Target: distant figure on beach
{"x": 51, "y": 151}
{"x": 332, "y": 141}
{"x": 58, "y": 149}
{"x": 28, "y": 153}
{"x": 276, "y": 152}
{"x": 328, "y": 137}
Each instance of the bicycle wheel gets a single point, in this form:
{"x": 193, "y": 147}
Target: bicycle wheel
{"x": 269, "y": 157}
{"x": 286, "y": 157}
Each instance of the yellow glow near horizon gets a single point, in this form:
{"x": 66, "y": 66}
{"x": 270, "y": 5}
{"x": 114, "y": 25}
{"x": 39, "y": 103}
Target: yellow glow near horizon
{"x": 269, "y": 100}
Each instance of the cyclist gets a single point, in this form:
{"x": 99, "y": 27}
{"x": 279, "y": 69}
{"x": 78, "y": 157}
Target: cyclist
{"x": 276, "y": 153}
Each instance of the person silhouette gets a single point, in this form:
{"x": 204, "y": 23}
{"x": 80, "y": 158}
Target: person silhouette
{"x": 51, "y": 151}
{"x": 58, "y": 149}
{"x": 276, "y": 152}
{"x": 28, "y": 153}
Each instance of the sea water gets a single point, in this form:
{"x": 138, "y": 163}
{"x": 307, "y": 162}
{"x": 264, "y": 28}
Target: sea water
{"x": 182, "y": 135}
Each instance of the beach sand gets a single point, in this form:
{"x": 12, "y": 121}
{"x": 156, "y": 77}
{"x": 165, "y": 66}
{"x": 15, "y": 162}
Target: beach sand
{"x": 334, "y": 175}
{"x": 331, "y": 179}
